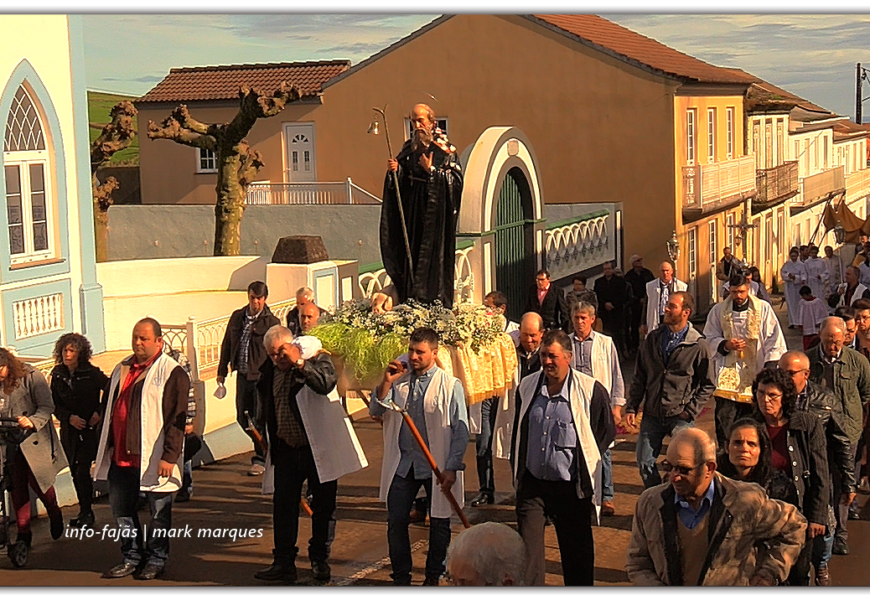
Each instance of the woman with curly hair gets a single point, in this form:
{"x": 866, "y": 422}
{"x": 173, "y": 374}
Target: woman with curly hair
{"x": 78, "y": 389}
{"x": 799, "y": 459}
{"x": 39, "y": 457}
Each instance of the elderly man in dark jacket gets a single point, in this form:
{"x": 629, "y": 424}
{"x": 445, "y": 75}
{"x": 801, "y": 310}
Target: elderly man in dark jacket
{"x": 822, "y": 403}
{"x": 847, "y": 373}
{"x": 242, "y": 350}
{"x": 673, "y": 378}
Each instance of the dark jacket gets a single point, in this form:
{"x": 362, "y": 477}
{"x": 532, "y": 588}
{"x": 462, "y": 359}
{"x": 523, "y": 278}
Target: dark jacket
{"x": 638, "y": 282}
{"x": 293, "y": 323}
{"x": 600, "y": 421}
{"x": 823, "y": 404}
{"x": 685, "y": 383}
{"x": 553, "y": 310}
{"x": 528, "y": 363}
{"x": 618, "y": 293}
{"x": 174, "y": 401}
{"x": 809, "y": 465}
{"x": 318, "y": 373}
{"x": 82, "y": 394}
{"x": 851, "y": 385}
{"x": 256, "y": 353}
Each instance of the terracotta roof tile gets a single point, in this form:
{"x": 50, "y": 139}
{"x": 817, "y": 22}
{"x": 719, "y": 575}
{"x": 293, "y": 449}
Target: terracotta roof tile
{"x": 222, "y": 82}
{"x": 644, "y": 50}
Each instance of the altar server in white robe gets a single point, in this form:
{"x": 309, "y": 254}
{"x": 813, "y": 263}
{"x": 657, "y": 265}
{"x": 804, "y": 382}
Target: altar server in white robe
{"x": 794, "y": 274}
{"x": 834, "y": 267}
{"x": 817, "y": 273}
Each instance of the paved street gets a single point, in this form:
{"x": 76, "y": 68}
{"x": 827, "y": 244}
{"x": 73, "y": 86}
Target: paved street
{"x": 226, "y": 498}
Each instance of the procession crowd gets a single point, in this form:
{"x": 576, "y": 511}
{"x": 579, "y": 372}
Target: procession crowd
{"x": 765, "y": 503}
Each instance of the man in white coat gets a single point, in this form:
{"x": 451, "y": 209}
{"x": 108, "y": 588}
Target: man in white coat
{"x": 309, "y": 438}
{"x": 657, "y": 293}
{"x": 595, "y": 355}
{"x": 744, "y": 336}
{"x": 142, "y": 449}
{"x": 794, "y": 274}
{"x": 563, "y": 424}
{"x": 435, "y": 401}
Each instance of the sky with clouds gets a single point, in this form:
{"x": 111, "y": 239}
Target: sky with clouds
{"x": 813, "y": 55}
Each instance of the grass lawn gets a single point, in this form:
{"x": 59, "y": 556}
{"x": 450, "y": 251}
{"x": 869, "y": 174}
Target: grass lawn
{"x": 99, "y": 106}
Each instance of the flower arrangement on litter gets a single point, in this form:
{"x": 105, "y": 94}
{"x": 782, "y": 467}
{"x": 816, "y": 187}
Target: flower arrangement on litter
{"x": 368, "y": 341}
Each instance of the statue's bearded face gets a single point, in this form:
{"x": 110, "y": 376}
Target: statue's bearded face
{"x": 422, "y": 139}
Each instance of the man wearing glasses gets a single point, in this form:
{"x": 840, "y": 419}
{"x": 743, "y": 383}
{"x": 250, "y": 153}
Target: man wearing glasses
{"x": 702, "y": 528}
{"x": 548, "y": 301}
{"x": 818, "y": 401}
{"x": 847, "y": 373}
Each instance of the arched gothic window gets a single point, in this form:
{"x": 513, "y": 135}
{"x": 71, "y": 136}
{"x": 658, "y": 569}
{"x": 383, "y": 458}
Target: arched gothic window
{"x": 27, "y": 168}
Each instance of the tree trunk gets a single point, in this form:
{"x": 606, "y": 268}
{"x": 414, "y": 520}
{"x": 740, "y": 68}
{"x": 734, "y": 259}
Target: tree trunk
{"x": 229, "y": 208}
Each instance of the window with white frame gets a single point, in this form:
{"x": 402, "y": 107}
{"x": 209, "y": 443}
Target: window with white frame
{"x": 440, "y": 123}
{"x": 711, "y": 135}
{"x": 28, "y": 170}
{"x": 690, "y": 135}
{"x": 729, "y": 127}
{"x": 206, "y": 161}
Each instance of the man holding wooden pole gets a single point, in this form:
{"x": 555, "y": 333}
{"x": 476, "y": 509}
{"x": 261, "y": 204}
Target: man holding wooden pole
{"x": 435, "y": 404}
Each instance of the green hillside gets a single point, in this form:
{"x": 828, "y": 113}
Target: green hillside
{"x": 99, "y": 106}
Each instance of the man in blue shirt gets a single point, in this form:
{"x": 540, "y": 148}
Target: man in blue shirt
{"x": 563, "y": 425}
{"x": 435, "y": 401}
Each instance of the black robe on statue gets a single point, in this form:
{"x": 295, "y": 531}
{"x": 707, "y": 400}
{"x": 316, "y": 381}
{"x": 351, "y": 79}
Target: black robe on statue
{"x": 431, "y": 205}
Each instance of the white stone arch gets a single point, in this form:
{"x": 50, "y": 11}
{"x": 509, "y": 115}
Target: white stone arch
{"x": 485, "y": 164}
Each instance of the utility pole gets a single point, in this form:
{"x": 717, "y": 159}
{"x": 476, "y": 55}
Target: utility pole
{"x": 858, "y": 94}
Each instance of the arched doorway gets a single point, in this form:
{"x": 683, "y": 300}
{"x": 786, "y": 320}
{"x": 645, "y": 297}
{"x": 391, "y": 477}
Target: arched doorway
{"x": 514, "y": 241}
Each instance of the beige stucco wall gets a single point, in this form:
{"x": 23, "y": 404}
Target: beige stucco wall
{"x": 43, "y": 40}
{"x": 602, "y": 130}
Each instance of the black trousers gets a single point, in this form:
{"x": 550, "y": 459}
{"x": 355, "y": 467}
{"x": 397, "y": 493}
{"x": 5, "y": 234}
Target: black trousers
{"x": 572, "y": 518}
{"x": 634, "y": 323}
{"x": 292, "y": 467}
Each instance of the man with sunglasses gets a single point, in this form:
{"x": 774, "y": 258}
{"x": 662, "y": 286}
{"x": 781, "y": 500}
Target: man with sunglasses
{"x": 702, "y": 528}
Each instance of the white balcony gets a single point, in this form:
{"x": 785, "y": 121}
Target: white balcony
{"x": 340, "y": 192}
{"x": 707, "y": 188}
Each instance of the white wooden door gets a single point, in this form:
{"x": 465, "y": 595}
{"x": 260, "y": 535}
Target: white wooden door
{"x": 299, "y": 161}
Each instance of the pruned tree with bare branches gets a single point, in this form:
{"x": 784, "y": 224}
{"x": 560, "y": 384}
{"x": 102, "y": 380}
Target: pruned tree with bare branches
{"x": 115, "y": 136}
{"x": 237, "y": 162}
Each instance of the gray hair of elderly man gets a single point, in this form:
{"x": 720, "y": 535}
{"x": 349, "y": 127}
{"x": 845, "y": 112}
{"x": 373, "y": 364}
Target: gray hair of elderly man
{"x": 582, "y": 306}
{"x": 700, "y": 440}
{"x": 494, "y": 551}
{"x": 277, "y": 332}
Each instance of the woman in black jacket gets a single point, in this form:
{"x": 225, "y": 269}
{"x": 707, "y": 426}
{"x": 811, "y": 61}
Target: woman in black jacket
{"x": 798, "y": 467}
{"x": 78, "y": 390}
